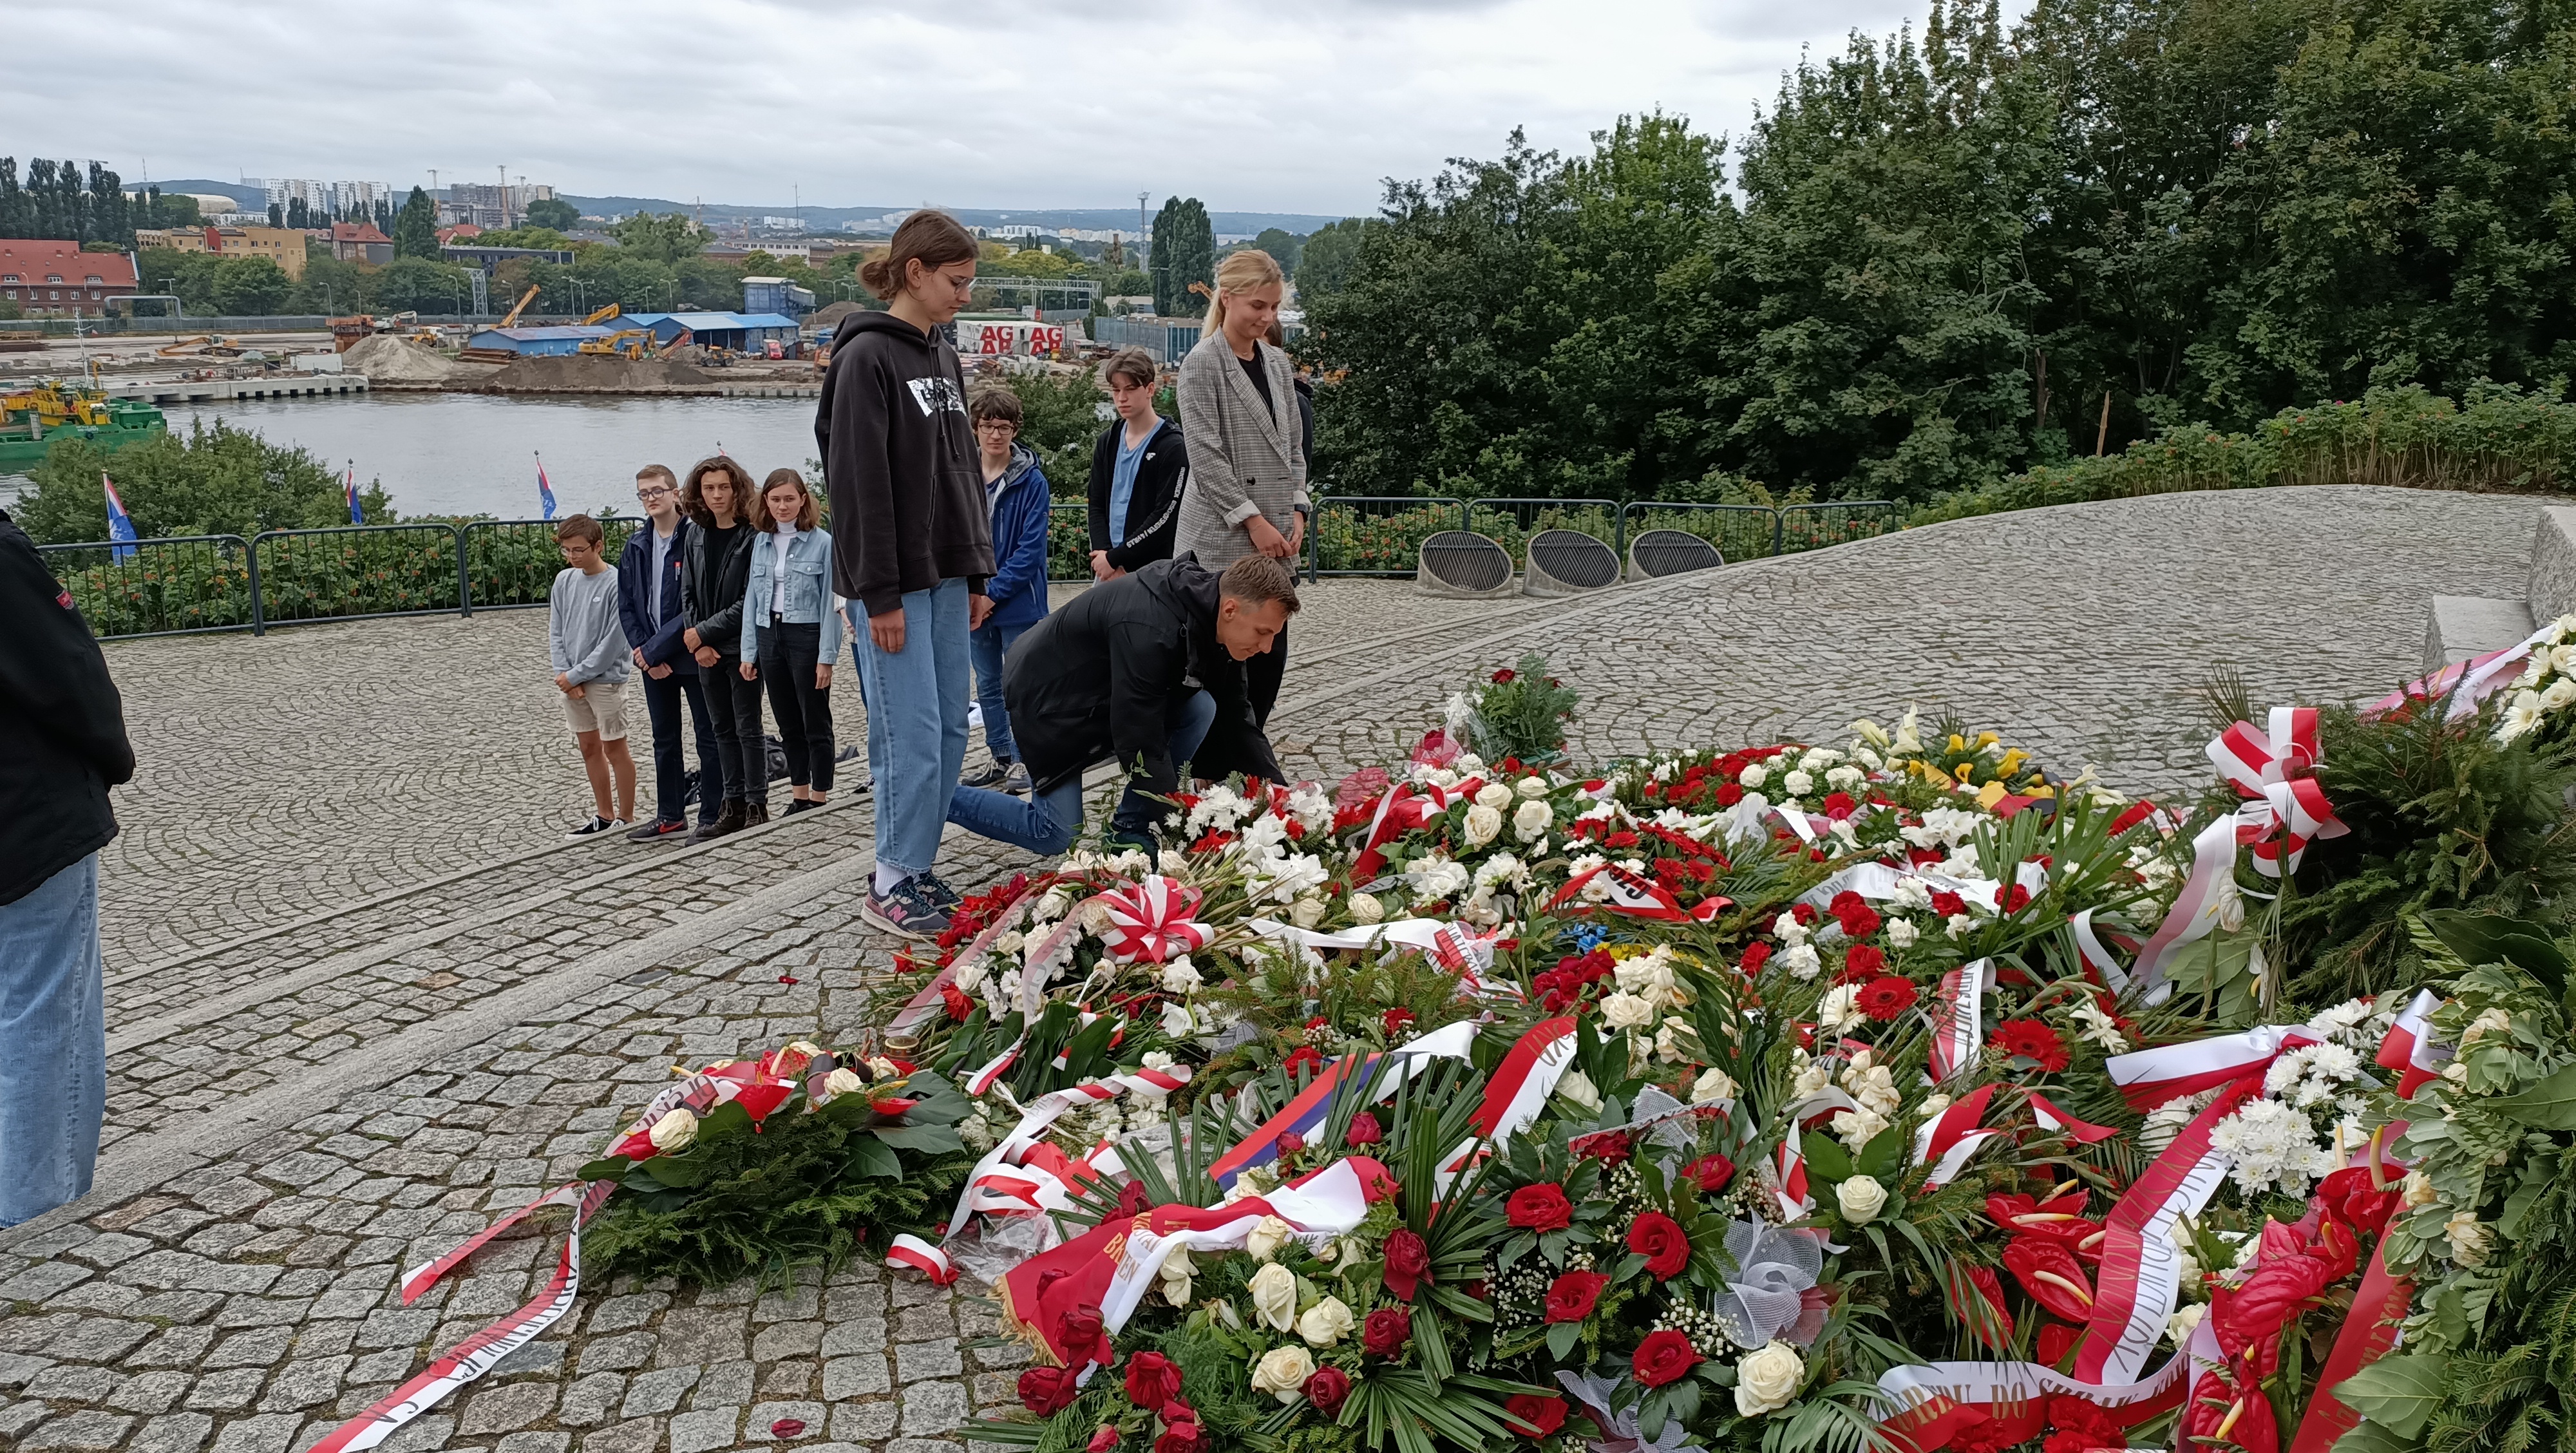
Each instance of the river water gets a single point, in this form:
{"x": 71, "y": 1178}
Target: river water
{"x": 462, "y": 454}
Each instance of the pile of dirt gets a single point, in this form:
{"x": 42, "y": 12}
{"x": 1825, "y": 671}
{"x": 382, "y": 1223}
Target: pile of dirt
{"x": 590, "y": 373}
{"x": 387, "y": 359}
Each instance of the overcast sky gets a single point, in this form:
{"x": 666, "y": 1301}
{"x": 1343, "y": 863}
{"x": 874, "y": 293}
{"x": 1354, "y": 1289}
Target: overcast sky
{"x": 1250, "y": 106}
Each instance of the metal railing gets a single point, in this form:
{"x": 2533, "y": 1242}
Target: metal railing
{"x": 1385, "y": 537}
{"x": 1740, "y": 532}
{"x": 1530, "y": 515}
{"x": 191, "y": 584}
{"x": 1834, "y": 522}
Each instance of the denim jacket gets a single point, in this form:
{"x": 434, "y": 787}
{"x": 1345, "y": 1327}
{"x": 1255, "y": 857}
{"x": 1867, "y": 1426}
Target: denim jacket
{"x": 809, "y": 590}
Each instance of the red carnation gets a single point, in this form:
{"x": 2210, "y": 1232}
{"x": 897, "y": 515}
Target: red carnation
{"x": 1665, "y": 1356}
{"x": 1365, "y": 1130}
{"x": 1327, "y": 1389}
{"x": 1395, "y": 1019}
{"x": 1803, "y": 913}
{"x": 1885, "y": 998}
{"x": 1712, "y": 1172}
{"x": 2016, "y": 898}
{"x": 1853, "y": 912}
{"x": 1535, "y": 1416}
{"x": 2033, "y": 1040}
{"x": 1541, "y": 1207}
{"x": 1660, "y": 1239}
{"x": 1152, "y": 1380}
{"x": 1729, "y": 793}
{"x": 958, "y": 1002}
{"x": 1047, "y": 1391}
{"x": 1571, "y": 1297}
{"x": 1408, "y": 1261}
{"x": 1863, "y": 962}
{"x": 1755, "y": 956}
{"x": 1949, "y": 905}
{"x": 1386, "y": 1331}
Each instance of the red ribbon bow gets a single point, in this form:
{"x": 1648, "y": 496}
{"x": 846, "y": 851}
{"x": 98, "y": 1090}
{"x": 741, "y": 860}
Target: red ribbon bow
{"x": 1151, "y": 921}
{"x": 2285, "y": 808}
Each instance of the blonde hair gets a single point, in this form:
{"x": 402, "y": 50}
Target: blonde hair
{"x": 1242, "y": 271}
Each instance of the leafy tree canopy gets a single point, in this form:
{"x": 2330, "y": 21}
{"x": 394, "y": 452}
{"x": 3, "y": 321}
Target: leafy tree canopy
{"x": 210, "y": 481}
{"x": 560, "y": 215}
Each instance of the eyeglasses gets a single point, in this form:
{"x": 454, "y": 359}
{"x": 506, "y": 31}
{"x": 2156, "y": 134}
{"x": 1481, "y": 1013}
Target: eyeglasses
{"x": 653, "y": 493}
{"x": 1003, "y": 426}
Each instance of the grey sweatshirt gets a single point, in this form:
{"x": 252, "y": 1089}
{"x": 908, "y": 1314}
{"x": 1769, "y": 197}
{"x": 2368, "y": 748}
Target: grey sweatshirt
{"x": 582, "y": 629}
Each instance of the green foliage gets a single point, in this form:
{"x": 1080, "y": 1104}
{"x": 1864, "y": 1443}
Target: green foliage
{"x": 250, "y": 286}
{"x": 57, "y": 200}
{"x": 1325, "y": 257}
{"x": 657, "y": 237}
{"x": 1060, "y": 419}
{"x": 553, "y": 212}
{"x": 1522, "y": 713}
{"x": 1283, "y": 246}
{"x": 416, "y": 228}
{"x": 210, "y": 481}
{"x": 1184, "y": 253}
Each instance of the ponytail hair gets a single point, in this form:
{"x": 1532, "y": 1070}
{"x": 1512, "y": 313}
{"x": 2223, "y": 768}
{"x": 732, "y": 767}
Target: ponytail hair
{"x": 1243, "y": 270}
{"x": 934, "y": 238}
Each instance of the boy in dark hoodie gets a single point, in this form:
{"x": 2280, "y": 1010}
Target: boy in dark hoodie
{"x": 913, "y": 550}
{"x": 1017, "y": 495}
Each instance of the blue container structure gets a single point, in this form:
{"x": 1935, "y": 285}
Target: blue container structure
{"x": 553, "y": 341}
{"x": 741, "y": 332}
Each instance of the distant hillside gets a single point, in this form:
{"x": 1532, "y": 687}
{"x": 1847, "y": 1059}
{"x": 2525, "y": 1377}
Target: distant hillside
{"x": 830, "y": 218}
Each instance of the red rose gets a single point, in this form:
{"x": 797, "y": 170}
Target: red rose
{"x": 1571, "y": 1297}
{"x": 1134, "y": 1200}
{"x": 1712, "y": 1172}
{"x": 2033, "y": 1040}
{"x": 1327, "y": 1388}
{"x": 1386, "y": 1331}
{"x": 1291, "y": 1143}
{"x": 1839, "y": 805}
{"x": 1535, "y": 1417}
{"x": 1182, "y": 1437}
{"x": 1395, "y": 1019}
{"x": 1079, "y": 1331}
{"x": 1047, "y": 1391}
{"x": 1886, "y": 998}
{"x": 1104, "y": 1439}
{"x": 1610, "y": 1147}
{"x": 1660, "y": 1239}
{"x": 1541, "y": 1207}
{"x": 1152, "y": 1380}
{"x": 1408, "y": 1261}
{"x": 1306, "y": 1057}
{"x": 1755, "y": 956}
{"x": 1665, "y": 1356}
{"x": 1863, "y": 962}
{"x": 1365, "y": 1130}
{"x": 1505, "y": 677}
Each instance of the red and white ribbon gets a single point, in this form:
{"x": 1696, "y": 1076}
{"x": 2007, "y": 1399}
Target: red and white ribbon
{"x": 1958, "y": 1014}
{"x": 2410, "y": 1049}
{"x": 2195, "y": 909}
{"x": 1788, "y": 1177}
{"x": 1461, "y": 950}
{"x": 1607, "y": 887}
{"x": 1150, "y": 922}
{"x": 1946, "y": 1142}
{"x": 2058, "y": 1122}
{"x": 2277, "y": 772}
{"x": 2472, "y": 681}
{"x": 2091, "y": 947}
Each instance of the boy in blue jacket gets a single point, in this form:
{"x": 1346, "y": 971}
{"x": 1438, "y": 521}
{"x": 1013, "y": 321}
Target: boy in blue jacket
{"x": 648, "y": 605}
{"x": 1016, "y": 496}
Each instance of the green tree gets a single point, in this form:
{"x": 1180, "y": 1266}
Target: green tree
{"x": 416, "y": 284}
{"x": 214, "y": 480}
{"x": 250, "y": 287}
{"x": 664, "y": 237}
{"x": 189, "y": 276}
{"x": 1324, "y": 258}
{"x": 1184, "y": 253}
{"x": 416, "y": 229}
{"x": 1060, "y": 416}
{"x": 169, "y": 211}
{"x": 1282, "y": 245}
{"x": 551, "y": 212}
{"x": 298, "y": 214}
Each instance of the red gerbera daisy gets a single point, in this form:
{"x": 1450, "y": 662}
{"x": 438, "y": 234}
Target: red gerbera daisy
{"x": 2032, "y": 1040}
{"x": 1885, "y": 998}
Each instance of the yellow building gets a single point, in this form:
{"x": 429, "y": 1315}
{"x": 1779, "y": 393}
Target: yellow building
{"x": 281, "y": 245}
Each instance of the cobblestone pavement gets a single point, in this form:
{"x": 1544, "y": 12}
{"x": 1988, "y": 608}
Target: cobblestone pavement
{"x": 317, "y": 1084}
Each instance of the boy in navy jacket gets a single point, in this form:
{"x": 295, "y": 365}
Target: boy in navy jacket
{"x": 1017, "y": 498}
{"x": 648, "y": 605}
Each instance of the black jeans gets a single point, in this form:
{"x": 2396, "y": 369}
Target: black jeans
{"x": 1261, "y": 677}
{"x": 670, "y": 763}
{"x": 735, "y": 705}
{"x": 788, "y": 650}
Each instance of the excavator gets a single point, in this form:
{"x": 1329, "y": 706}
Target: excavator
{"x": 627, "y": 343}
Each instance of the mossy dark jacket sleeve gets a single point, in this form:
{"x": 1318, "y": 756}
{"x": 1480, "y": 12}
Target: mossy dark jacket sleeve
{"x": 900, "y": 465}
{"x": 62, "y": 726}
{"x": 1098, "y": 679}
{"x": 1154, "y": 510}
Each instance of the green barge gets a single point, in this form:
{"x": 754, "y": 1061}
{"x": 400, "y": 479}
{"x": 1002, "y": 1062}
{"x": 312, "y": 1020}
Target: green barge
{"x": 32, "y": 420}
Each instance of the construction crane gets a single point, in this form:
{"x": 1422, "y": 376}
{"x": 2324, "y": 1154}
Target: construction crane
{"x": 525, "y": 298}
{"x": 602, "y": 316}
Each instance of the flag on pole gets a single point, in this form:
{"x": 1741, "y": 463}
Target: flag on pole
{"x": 545, "y": 491}
{"x": 349, "y": 487}
{"x": 120, "y": 525}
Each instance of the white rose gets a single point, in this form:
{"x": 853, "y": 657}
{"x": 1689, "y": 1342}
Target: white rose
{"x": 1799, "y": 783}
{"x": 1624, "y": 1010}
{"x": 1177, "y": 1271}
{"x": 1496, "y": 795}
{"x": 1274, "y": 1296}
{"x": 1856, "y": 1128}
{"x": 1711, "y": 1086}
{"x": 1901, "y": 933}
{"x": 1176, "y": 1021}
{"x": 1443, "y": 778}
{"x": 1767, "y": 1380}
{"x": 1283, "y": 1370}
{"x": 675, "y": 1130}
{"x": 1576, "y": 1088}
{"x": 1802, "y": 961}
{"x": 1306, "y": 912}
{"x": 1932, "y": 1106}
{"x": 1366, "y": 909}
{"x": 1860, "y": 1199}
{"x": 2183, "y": 1322}
{"x": 1484, "y": 824}
{"x": 1754, "y": 776}
{"x": 969, "y": 976}
{"x": 843, "y": 1082}
{"x": 1532, "y": 818}
{"x": 1181, "y": 976}
{"x": 1533, "y": 787}
{"x": 1812, "y": 1079}
{"x": 1325, "y": 1323}
{"x": 1266, "y": 1237}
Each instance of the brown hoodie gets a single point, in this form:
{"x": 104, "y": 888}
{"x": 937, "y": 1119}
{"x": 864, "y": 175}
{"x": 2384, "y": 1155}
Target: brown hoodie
{"x": 899, "y": 464}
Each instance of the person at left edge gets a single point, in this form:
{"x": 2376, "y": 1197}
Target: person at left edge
{"x": 62, "y": 745}
{"x": 648, "y": 604}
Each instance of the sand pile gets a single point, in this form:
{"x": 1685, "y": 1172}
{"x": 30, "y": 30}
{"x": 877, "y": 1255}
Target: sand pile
{"x": 386, "y": 359}
{"x": 580, "y": 373}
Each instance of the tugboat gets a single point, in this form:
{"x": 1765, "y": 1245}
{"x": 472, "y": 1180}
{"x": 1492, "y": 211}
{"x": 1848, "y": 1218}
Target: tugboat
{"x": 32, "y": 419}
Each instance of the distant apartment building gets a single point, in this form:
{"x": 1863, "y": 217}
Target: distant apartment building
{"x": 50, "y": 276}
{"x": 490, "y": 204}
{"x": 281, "y": 245}
{"x": 328, "y": 199}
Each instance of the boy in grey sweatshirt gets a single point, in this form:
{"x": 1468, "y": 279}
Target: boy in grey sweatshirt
{"x": 589, "y": 650}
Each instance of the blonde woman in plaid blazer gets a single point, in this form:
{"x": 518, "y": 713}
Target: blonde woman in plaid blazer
{"x": 1238, "y": 400}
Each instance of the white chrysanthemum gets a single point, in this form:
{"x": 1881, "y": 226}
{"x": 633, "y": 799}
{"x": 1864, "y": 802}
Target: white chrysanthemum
{"x": 2274, "y": 1147}
{"x": 1802, "y": 961}
{"x": 1901, "y": 933}
{"x": 1799, "y": 782}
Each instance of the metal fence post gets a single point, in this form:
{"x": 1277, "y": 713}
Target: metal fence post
{"x": 258, "y": 607}
{"x": 464, "y": 582}
{"x": 1779, "y": 524}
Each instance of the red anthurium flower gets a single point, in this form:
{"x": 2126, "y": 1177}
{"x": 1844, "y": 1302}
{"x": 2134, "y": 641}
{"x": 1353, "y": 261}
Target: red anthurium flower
{"x": 1541, "y": 1207}
{"x": 2350, "y": 1195}
{"x": 1886, "y": 997}
{"x": 2336, "y": 1247}
{"x": 1152, "y": 1380}
{"x": 1533, "y": 1416}
{"x": 1408, "y": 1261}
{"x": 1712, "y": 1172}
{"x": 2263, "y": 1303}
{"x": 1660, "y": 1239}
{"x": 2051, "y": 1275}
{"x": 2056, "y": 1340}
{"x": 1386, "y": 1331}
{"x": 1665, "y": 1356}
{"x": 1047, "y": 1391}
{"x": 1327, "y": 1389}
{"x": 1988, "y": 1288}
{"x": 2221, "y": 1414}
{"x": 1572, "y": 1296}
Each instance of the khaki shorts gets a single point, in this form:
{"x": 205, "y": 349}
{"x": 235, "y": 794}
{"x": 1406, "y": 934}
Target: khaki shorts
{"x": 600, "y": 708}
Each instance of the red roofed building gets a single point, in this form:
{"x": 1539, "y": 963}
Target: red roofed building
{"x": 360, "y": 242}
{"x": 461, "y": 232}
{"x": 48, "y": 275}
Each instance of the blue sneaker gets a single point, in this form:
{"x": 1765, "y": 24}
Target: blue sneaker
{"x": 936, "y": 890}
{"x": 906, "y": 912}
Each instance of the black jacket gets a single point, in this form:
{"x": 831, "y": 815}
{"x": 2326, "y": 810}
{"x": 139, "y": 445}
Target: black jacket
{"x": 62, "y": 726}
{"x": 1098, "y": 679}
{"x": 1305, "y": 417}
{"x": 634, "y": 609}
{"x": 715, "y": 572}
{"x": 1154, "y": 510}
{"x": 900, "y": 465}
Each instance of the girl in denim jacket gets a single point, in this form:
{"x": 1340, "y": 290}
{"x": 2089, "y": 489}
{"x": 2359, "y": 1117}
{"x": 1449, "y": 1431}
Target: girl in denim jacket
{"x": 790, "y": 633}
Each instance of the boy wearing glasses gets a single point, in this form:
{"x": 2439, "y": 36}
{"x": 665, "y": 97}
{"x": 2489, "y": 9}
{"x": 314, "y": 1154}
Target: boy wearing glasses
{"x": 1016, "y": 496}
{"x": 648, "y": 605}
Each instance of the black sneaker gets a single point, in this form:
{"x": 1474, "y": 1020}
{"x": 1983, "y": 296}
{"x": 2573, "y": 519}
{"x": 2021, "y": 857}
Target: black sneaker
{"x": 653, "y": 832}
{"x": 905, "y": 911}
{"x": 996, "y": 771}
{"x": 597, "y": 826}
{"x": 936, "y": 889}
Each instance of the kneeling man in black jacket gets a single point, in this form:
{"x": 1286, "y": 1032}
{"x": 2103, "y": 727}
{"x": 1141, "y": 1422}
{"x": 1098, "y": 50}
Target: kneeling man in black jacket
{"x": 1109, "y": 677}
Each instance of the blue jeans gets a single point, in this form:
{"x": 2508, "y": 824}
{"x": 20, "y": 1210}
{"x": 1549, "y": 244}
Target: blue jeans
{"x": 662, "y": 701}
{"x": 53, "y": 1043}
{"x": 916, "y": 701}
{"x": 1047, "y": 822}
{"x": 988, "y": 645}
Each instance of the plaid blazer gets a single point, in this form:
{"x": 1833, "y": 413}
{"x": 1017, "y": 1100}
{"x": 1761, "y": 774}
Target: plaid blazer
{"x": 1245, "y": 459}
